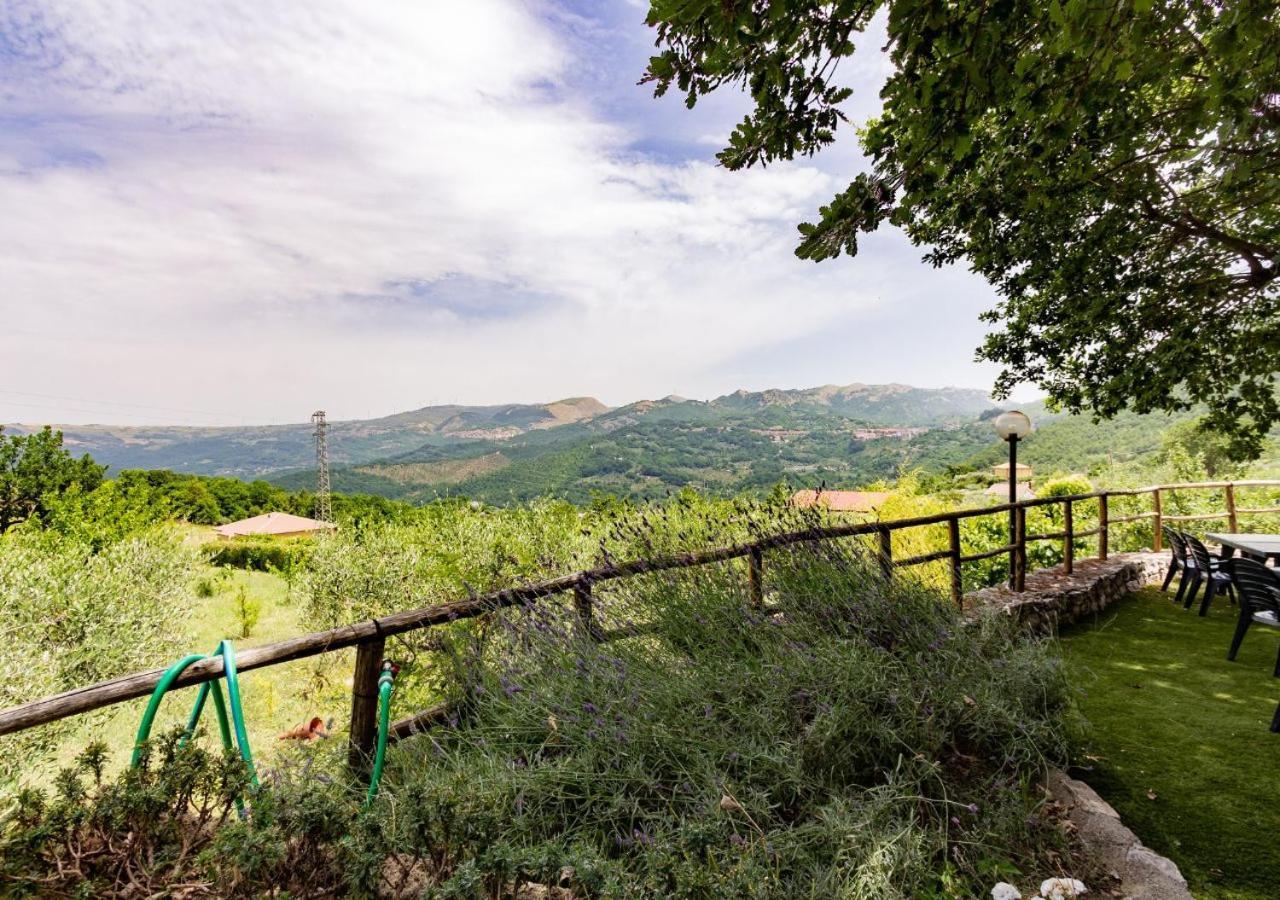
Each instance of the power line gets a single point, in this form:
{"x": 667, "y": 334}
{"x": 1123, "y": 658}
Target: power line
{"x": 113, "y": 403}
{"x": 97, "y": 412}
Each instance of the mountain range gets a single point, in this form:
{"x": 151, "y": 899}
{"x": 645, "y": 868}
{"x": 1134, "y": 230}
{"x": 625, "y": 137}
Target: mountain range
{"x": 844, "y": 436}
{"x": 250, "y": 451}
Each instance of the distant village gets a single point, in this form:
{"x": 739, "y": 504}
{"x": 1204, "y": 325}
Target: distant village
{"x": 862, "y": 433}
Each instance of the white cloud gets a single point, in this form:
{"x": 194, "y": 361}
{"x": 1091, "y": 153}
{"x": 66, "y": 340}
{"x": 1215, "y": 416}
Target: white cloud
{"x": 219, "y": 206}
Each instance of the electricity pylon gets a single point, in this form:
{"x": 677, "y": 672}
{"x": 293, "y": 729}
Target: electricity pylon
{"x": 324, "y": 508}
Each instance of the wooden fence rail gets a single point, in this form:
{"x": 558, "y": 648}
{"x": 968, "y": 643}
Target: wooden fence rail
{"x": 369, "y": 637}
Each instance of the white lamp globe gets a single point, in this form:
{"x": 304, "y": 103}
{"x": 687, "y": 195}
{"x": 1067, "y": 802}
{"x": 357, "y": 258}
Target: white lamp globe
{"x": 1013, "y": 424}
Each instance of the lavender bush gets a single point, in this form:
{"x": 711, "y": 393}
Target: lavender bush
{"x": 853, "y": 738}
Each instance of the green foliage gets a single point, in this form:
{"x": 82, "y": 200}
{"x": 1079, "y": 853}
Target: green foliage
{"x": 43, "y": 485}
{"x": 209, "y": 500}
{"x": 35, "y": 468}
{"x": 857, "y": 741}
{"x": 1065, "y": 486}
{"x": 75, "y": 615}
{"x": 170, "y": 827}
{"x": 1193, "y": 449}
{"x": 1109, "y": 168}
{"x": 104, "y": 515}
{"x": 260, "y": 554}
{"x": 452, "y": 547}
{"x": 248, "y": 609}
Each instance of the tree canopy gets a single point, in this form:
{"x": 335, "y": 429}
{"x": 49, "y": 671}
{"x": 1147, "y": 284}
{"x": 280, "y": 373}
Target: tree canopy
{"x": 1111, "y": 167}
{"x": 35, "y": 468}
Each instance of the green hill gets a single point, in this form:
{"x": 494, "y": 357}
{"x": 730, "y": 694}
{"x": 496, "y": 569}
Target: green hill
{"x": 254, "y": 451}
{"x": 842, "y": 436}
{"x": 735, "y": 450}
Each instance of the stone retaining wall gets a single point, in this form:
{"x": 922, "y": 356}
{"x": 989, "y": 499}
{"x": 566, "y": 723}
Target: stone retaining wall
{"x": 1053, "y": 598}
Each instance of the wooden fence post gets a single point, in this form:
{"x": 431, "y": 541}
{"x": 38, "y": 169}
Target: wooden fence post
{"x": 1069, "y": 543}
{"x": 582, "y": 604}
{"x": 1102, "y": 527}
{"x": 886, "y": 551}
{"x": 364, "y": 706}
{"x": 1233, "y": 521}
{"x": 755, "y": 577}
{"x": 957, "y": 575}
{"x": 1020, "y": 572}
{"x": 1156, "y": 534}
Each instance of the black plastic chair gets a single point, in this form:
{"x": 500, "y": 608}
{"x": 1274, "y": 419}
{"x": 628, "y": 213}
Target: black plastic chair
{"x": 1206, "y": 572}
{"x": 1177, "y": 561}
{"x": 1259, "y": 590}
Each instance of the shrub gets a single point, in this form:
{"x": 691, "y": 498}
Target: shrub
{"x": 74, "y": 616}
{"x": 1065, "y": 486}
{"x": 259, "y": 554}
{"x": 170, "y": 827}
{"x": 248, "y": 610}
{"x": 856, "y": 740}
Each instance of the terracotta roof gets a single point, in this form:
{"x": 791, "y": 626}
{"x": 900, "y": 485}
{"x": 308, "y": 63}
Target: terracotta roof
{"x": 841, "y": 501}
{"x": 274, "y": 523}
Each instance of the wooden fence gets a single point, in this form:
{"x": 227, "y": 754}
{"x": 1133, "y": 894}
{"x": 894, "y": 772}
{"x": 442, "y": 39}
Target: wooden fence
{"x": 369, "y": 637}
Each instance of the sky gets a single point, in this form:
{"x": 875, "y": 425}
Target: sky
{"x": 239, "y": 211}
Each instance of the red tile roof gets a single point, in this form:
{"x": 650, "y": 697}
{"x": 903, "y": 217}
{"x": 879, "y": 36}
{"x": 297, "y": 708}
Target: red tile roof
{"x": 841, "y": 501}
{"x": 274, "y": 523}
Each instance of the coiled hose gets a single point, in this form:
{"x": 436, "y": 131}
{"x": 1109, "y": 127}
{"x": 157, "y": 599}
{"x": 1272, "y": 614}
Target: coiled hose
{"x": 226, "y": 726}
{"x": 231, "y": 728}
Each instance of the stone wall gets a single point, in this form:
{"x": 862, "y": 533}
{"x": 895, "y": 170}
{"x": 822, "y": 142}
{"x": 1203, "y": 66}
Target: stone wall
{"x": 1053, "y": 598}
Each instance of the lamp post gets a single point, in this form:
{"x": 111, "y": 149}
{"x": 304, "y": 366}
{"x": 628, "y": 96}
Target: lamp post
{"x": 1013, "y": 426}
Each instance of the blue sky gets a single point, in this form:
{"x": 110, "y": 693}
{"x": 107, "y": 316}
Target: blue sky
{"x": 239, "y": 211}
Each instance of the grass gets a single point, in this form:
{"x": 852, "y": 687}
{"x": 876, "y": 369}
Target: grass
{"x": 1178, "y": 738}
{"x": 274, "y": 699}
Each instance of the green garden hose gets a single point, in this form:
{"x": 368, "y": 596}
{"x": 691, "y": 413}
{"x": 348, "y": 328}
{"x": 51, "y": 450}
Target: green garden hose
{"x": 225, "y": 727}
{"x": 386, "y": 685}
{"x": 232, "y": 728}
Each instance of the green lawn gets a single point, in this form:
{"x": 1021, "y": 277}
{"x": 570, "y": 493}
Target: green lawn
{"x": 1178, "y": 738}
